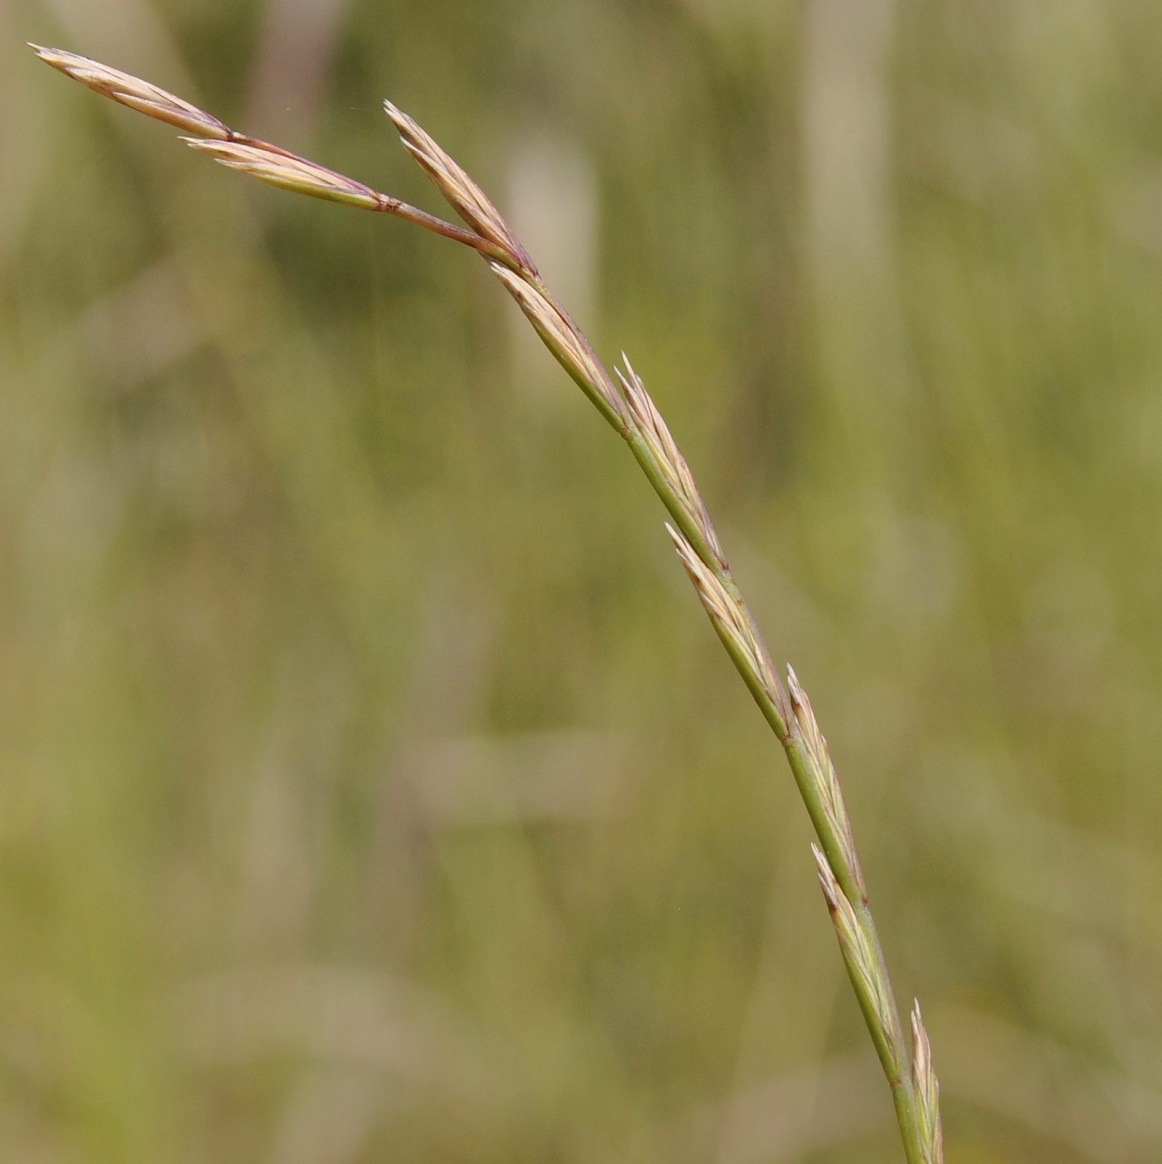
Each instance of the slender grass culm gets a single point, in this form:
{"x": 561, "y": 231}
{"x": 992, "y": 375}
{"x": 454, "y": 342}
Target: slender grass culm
{"x": 627, "y": 407}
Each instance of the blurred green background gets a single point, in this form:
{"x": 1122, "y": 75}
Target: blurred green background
{"x": 372, "y": 787}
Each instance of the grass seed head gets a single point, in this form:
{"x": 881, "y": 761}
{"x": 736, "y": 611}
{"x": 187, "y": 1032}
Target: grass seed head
{"x": 134, "y": 92}
{"x": 563, "y": 340}
{"x": 288, "y": 172}
{"x": 858, "y": 953}
{"x": 671, "y": 463}
{"x": 469, "y": 201}
{"x": 819, "y": 755}
{"x": 927, "y": 1089}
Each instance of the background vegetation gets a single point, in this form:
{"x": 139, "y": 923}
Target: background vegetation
{"x": 371, "y": 785}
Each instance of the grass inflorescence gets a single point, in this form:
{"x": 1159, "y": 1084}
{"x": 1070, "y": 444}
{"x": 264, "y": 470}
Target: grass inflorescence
{"x": 624, "y": 402}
